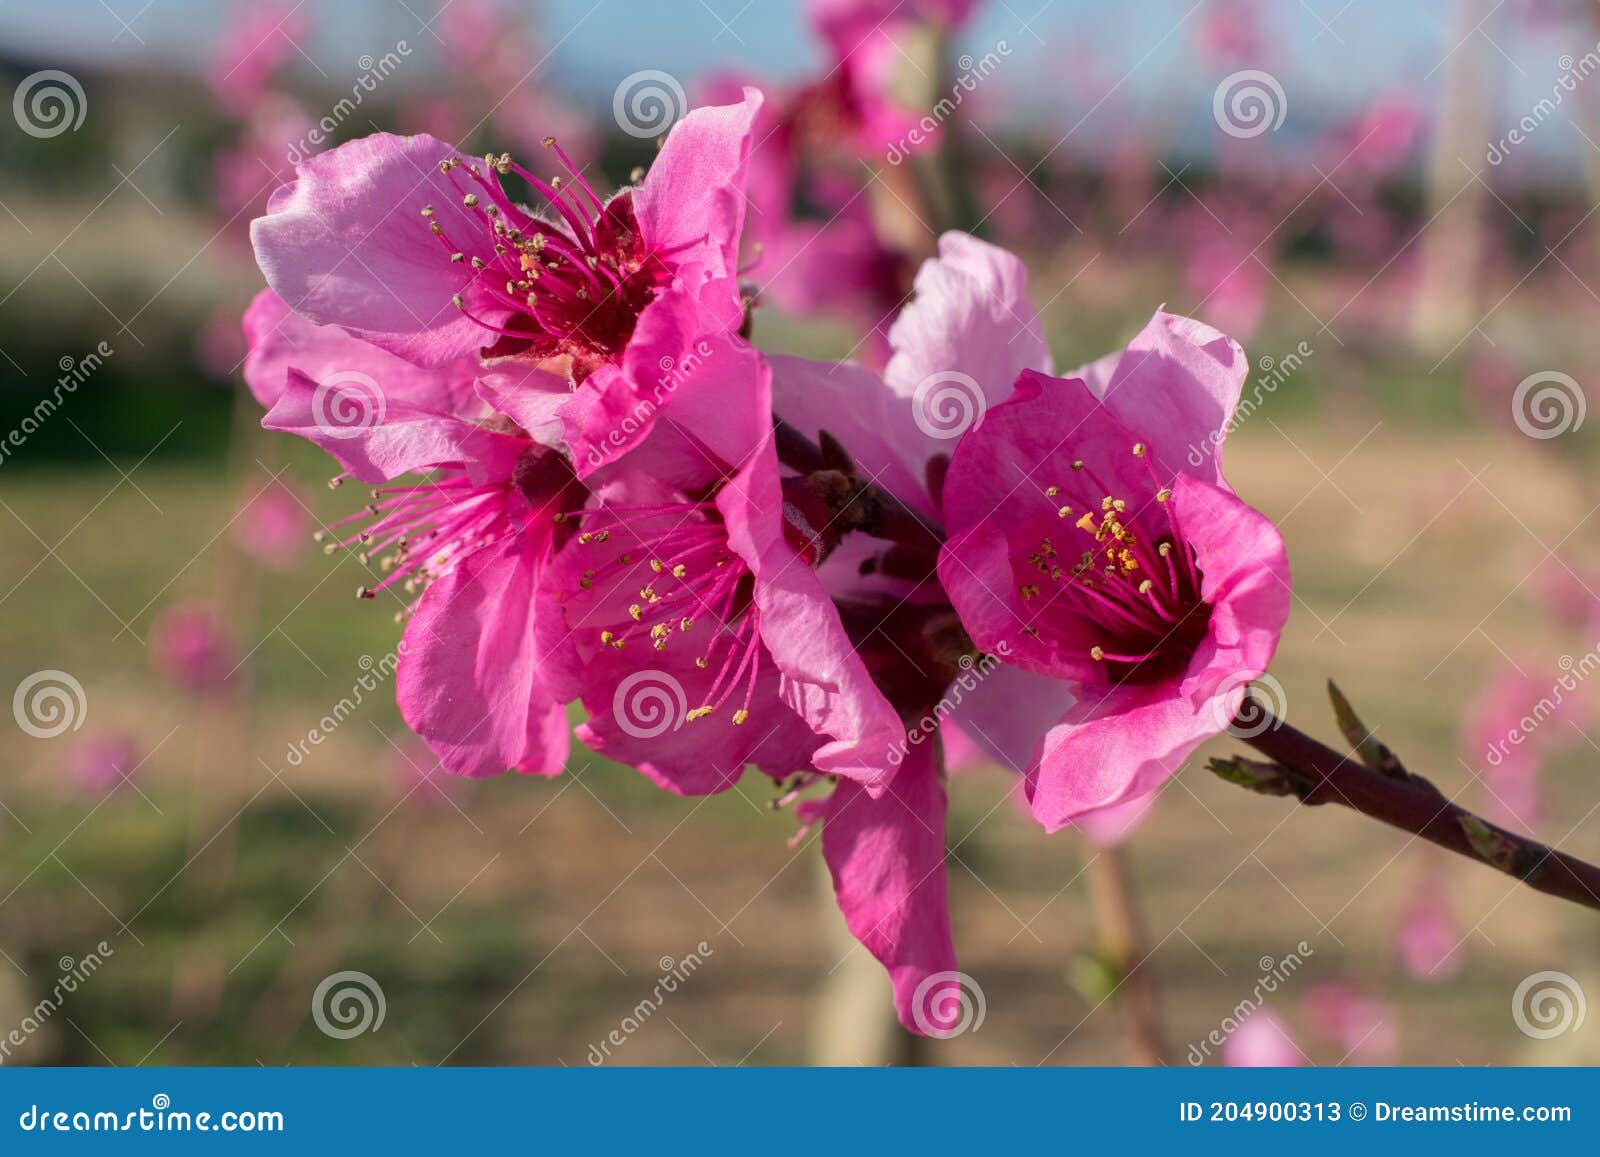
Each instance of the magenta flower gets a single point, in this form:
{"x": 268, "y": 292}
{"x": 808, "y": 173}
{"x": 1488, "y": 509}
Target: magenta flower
{"x": 102, "y": 760}
{"x": 700, "y": 636}
{"x": 1429, "y": 947}
{"x": 1262, "y": 1042}
{"x": 273, "y": 525}
{"x": 461, "y": 551}
{"x": 1093, "y": 540}
{"x": 190, "y": 646}
{"x": 422, "y": 252}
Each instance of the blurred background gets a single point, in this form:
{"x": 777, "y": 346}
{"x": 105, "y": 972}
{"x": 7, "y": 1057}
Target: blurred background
{"x": 209, "y": 794}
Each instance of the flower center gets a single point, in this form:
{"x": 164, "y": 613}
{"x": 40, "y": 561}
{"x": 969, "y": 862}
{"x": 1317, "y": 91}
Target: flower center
{"x": 1117, "y": 585}
{"x": 575, "y": 287}
{"x": 663, "y": 576}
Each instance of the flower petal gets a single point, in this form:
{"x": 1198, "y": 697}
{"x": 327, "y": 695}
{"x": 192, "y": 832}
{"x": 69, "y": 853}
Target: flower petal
{"x": 344, "y": 245}
{"x": 470, "y": 680}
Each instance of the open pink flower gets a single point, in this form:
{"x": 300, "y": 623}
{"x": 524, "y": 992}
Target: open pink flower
{"x": 1092, "y": 539}
{"x": 473, "y": 537}
{"x": 700, "y": 637}
{"x": 424, "y": 253}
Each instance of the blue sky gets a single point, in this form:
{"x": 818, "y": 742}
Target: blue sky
{"x": 1330, "y": 54}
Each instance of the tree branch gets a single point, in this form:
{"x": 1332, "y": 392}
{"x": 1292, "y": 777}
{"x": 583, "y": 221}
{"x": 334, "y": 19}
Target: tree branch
{"x": 1316, "y": 773}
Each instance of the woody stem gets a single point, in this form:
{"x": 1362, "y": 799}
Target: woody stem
{"x": 1316, "y": 773}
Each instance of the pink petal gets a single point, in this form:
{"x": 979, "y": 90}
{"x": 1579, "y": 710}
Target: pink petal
{"x": 693, "y": 195}
{"x": 280, "y": 339}
{"x": 345, "y": 244}
{"x": 377, "y": 438}
{"x": 887, "y": 858}
{"x": 470, "y": 681}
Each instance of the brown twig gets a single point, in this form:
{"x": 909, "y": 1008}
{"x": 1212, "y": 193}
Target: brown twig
{"x": 1316, "y": 773}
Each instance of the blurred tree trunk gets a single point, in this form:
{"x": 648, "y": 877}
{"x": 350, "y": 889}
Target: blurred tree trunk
{"x": 1446, "y": 306}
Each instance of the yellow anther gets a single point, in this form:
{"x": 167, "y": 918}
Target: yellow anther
{"x": 1078, "y": 465}
{"x": 470, "y": 200}
{"x": 1052, "y": 491}
{"x": 1163, "y": 494}
{"x": 1144, "y": 587}
{"x": 1164, "y": 549}
{"x": 607, "y": 637}
{"x": 1096, "y": 654}
{"x": 701, "y": 663}
{"x": 679, "y": 571}
{"x": 740, "y": 716}
{"x": 657, "y": 565}
{"x": 1063, "y": 512}
{"x": 635, "y": 612}
{"x": 1138, "y": 449}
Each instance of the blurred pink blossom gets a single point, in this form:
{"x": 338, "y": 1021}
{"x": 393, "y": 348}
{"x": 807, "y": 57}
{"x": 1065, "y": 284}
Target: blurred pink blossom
{"x": 1362, "y": 1025}
{"x": 1430, "y": 949}
{"x": 259, "y": 39}
{"x": 101, "y": 760}
{"x": 1261, "y": 1042}
{"x": 189, "y": 646}
{"x": 272, "y": 525}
